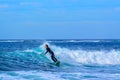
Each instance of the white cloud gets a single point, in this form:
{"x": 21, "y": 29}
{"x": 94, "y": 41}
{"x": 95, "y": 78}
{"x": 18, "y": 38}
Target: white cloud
{"x": 30, "y": 3}
{"x": 4, "y": 6}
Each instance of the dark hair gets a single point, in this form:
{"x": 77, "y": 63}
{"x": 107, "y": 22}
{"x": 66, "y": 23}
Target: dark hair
{"x": 46, "y": 45}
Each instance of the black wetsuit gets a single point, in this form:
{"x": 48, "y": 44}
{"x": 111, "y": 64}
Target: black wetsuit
{"x": 51, "y": 54}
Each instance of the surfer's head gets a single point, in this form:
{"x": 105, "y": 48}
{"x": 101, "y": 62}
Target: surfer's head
{"x": 46, "y": 45}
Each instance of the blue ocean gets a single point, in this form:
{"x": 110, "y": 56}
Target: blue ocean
{"x": 80, "y": 60}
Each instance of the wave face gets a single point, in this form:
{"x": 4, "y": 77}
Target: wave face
{"x": 25, "y": 58}
{"x": 88, "y": 57}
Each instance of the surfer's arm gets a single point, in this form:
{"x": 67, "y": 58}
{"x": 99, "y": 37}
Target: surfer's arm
{"x": 46, "y": 52}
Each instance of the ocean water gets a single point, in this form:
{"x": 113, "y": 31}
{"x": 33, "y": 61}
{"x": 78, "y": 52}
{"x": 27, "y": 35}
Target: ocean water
{"x": 80, "y": 60}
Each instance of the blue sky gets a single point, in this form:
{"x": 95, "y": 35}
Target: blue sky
{"x": 59, "y": 19}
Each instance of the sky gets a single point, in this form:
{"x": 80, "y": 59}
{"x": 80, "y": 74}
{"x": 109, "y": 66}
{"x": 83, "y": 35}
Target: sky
{"x": 59, "y": 19}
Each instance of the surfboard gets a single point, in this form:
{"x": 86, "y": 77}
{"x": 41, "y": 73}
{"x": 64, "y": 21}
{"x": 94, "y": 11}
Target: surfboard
{"x": 57, "y": 63}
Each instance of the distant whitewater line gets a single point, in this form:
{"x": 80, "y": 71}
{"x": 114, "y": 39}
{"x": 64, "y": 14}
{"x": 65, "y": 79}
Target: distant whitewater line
{"x": 76, "y": 41}
{"x": 11, "y": 40}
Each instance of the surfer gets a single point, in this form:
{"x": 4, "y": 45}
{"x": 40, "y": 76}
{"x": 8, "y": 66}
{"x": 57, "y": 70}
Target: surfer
{"x": 51, "y": 53}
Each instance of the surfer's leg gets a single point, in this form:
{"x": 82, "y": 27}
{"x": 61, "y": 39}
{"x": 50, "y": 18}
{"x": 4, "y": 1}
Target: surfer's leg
{"x": 53, "y": 58}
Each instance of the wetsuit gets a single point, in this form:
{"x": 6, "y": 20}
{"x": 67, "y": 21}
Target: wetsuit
{"x": 51, "y": 54}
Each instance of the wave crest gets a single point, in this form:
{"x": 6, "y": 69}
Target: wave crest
{"x": 86, "y": 57}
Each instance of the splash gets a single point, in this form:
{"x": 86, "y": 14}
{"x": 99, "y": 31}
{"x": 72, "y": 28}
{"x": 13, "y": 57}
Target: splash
{"x": 86, "y": 57}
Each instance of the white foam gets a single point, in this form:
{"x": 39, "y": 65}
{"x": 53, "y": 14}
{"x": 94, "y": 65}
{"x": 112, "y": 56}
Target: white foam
{"x": 75, "y": 41}
{"x": 84, "y": 41}
{"x": 41, "y": 75}
{"x": 30, "y": 75}
{"x": 86, "y": 57}
{"x": 9, "y": 77}
{"x": 8, "y": 41}
{"x": 72, "y": 41}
